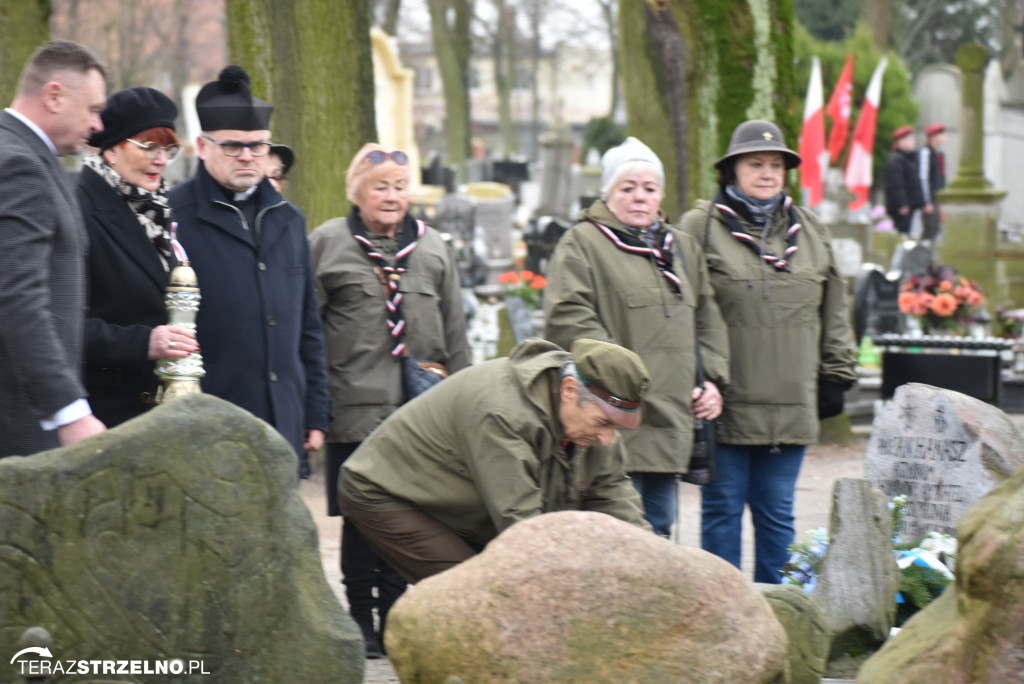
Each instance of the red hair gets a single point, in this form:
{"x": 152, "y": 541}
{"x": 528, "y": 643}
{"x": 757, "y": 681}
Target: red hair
{"x": 161, "y": 135}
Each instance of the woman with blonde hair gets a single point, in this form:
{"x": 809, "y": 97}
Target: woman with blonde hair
{"x": 388, "y": 286}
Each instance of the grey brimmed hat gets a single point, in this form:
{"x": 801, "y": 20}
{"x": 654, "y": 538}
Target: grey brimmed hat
{"x": 758, "y": 136}
{"x": 616, "y": 376}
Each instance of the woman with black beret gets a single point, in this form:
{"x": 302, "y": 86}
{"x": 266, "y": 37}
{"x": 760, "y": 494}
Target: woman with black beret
{"x": 123, "y": 199}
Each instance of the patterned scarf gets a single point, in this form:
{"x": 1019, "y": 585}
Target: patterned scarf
{"x": 151, "y": 208}
{"x": 732, "y": 210}
{"x": 631, "y": 244}
{"x": 411, "y": 231}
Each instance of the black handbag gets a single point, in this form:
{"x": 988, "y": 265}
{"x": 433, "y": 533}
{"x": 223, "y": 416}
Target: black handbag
{"x": 703, "y": 462}
{"x": 419, "y": 376}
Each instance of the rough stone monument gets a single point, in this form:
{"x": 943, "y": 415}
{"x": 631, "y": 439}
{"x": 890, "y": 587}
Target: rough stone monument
{"x": 583, "y": 597}
{"x": 972, "y": 631}
{"x": 859, "y": 578}
{"x": 944, "y": 451}
{"x": 177, "y": 535}
{"x": 556, "y": 186}
{"x": 807, "y": 628}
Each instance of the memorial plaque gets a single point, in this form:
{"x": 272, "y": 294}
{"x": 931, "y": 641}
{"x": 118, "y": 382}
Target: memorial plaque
{"x": 944, "y": 451}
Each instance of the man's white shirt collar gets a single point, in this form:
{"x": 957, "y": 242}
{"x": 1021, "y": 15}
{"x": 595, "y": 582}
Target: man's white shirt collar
{"x": 35, "y": 129}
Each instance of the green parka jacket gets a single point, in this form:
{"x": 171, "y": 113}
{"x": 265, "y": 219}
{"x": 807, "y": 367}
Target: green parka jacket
{"x": 786, "y": 329}
{"x": 365, "y": 379}
{"x": 483, "y": 450}
{"x": 596, "y": 290}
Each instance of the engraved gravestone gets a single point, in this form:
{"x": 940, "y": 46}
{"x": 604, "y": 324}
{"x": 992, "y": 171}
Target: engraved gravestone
{"x": 177, "y": 535}
{"x": 944, "y": 451}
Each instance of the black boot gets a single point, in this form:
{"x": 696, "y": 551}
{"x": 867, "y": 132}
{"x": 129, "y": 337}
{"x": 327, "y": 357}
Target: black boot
{"x": 358, "y": 568}
{"x": 390, "y": 586}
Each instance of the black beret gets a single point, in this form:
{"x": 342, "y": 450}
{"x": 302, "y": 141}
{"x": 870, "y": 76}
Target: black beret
{"x": 228, "y": 104}
{"x": 130, "y": 111}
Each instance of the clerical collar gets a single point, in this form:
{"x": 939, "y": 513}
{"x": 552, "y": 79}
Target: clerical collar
{"x": 243, "y": 196}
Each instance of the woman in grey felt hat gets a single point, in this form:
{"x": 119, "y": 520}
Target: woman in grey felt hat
{"x": 790, "y": 342}
{"x": 624, "y": 275}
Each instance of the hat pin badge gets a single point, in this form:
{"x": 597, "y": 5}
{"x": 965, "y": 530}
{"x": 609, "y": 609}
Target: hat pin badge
{"x": 767, "y": 135}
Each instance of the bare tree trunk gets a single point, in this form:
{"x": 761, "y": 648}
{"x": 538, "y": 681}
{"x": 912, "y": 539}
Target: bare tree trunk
{"x": 877, "y": 14}
{"x": 449, "y": 20}
{"x": 25, "y": 26}
{"x": 535, "y": 11}
{"x": 503, "y": 52}
{"x": 609, "y": 11}
{"x": 312, "y": 59}
{"x": 693, "y": 70}
{"x": 392, "y": 8}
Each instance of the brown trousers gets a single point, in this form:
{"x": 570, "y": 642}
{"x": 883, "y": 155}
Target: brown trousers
{"x": 412, "y": 542}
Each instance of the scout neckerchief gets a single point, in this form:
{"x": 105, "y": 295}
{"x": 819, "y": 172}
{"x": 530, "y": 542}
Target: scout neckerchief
{"x": 633, "y": 245}
{"x": 412, "y": 231}
{"x": 731, "y": 217}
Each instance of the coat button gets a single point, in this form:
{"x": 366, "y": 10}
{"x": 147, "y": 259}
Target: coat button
{"x": 261, "y": 266}
{"x": 273, "y": 376}
{"x": 271, "y": 320}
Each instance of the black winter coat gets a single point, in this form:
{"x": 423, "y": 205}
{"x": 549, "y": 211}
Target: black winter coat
{"x": 902, "y": 183}
{"x": 126, "y": 285}
{"x": 259, "y": 322}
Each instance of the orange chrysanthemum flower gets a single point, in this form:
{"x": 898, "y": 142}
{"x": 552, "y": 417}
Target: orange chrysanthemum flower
{"x": 945, "y": 286}
{"x": 908, "y": 302}
{"x": 944, "y": 305}
{"x": 526, "y": 275}
{"x": 538, "y": 282}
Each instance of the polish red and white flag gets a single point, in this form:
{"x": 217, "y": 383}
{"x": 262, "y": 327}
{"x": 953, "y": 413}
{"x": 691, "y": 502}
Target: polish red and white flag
{"x": 839, "y": 110}
{"x": 858, "y": 166}
{"x": 814, "y": 158}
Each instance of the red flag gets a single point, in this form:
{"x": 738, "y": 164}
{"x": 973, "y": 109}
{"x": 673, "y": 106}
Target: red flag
{"x": 839, "y": 109}
{"x": 858, "y": 166}
{"x": 813, "y": 157}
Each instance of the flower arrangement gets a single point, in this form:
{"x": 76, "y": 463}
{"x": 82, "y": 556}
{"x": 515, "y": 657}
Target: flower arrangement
{"x": 526, "y": 285}
{"x": 926, "y": 566}
{"x": 941, "y": 300}
{"x": 1009, "y": 324}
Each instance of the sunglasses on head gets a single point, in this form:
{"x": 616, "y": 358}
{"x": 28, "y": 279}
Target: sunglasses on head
{"x": 379, "y": 157}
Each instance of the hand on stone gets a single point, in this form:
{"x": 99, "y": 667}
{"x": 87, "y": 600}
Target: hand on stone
{"x": 171, "y": 342}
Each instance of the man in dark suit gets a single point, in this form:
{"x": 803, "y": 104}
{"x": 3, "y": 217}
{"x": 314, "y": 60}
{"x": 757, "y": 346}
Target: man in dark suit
{"x": 259, "y": 321}
{"x": 42, "y": 251}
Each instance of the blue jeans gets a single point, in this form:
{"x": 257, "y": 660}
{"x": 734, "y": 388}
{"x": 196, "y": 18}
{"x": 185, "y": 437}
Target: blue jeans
{"x": 766, "y": 481}
{"x": 659, "y": 492}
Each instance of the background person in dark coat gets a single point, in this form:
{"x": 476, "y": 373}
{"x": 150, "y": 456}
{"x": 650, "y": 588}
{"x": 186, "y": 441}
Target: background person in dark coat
{"x": 259, "y": 322}
{"x": 42, "y": 251}
{"x": 128, "y": 218}
{"x": 931, "y": 163}
{"x": 903, "y": 194}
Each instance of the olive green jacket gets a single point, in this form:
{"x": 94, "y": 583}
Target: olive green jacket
{"x": 365, "y": 379}
{"x": 483, "y": 450}
{"x": 786, "y": 329}
{"x": 596, "y": 290}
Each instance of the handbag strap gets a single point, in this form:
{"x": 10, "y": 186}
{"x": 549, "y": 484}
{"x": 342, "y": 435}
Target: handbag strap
{"x": 696, "y": 332}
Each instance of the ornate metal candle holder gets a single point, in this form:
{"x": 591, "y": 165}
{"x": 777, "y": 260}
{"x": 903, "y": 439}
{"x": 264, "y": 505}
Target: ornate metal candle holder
{"x": 179, "y": 377}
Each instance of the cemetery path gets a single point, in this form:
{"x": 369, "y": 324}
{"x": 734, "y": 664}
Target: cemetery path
{"x": 822, "y": 465}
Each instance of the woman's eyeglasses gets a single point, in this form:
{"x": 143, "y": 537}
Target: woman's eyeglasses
{"x": 152, "y": 150}
{"x": 234, "y": 149}
{"x": 379, "y": 157}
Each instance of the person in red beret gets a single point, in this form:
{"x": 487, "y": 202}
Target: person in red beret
{"x": 931, "y": 163}
{"x": 903, "y": 194}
